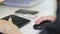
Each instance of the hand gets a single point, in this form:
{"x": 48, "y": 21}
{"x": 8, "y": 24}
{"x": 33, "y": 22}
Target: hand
{"x": 7, "y": 27}
{"x": 1, "y": 1}
{"x": 43, "y": 18}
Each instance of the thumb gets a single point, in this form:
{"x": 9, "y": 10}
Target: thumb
{"x": 10, "y": 19}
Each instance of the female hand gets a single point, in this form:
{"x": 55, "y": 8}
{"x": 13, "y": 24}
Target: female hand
{"x": 44, "y": 18}
{"x": 7, "y": 27}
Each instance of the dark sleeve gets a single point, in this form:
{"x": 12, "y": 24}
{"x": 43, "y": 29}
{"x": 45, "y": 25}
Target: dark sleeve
{"x": 55, "y": 27}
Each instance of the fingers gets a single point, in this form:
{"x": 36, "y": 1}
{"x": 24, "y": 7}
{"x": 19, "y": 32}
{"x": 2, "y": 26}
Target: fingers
{"x": 52, "y": 19}
{"x": 44, "y": 18}
{"x": 10, "y": 20}
{"x": 38, "y": 21}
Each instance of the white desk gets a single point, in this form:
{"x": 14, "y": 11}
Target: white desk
{"x": 28, "y": 29}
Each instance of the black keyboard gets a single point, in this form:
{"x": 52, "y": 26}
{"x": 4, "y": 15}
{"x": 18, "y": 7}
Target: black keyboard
{"x": 19, "y": 21}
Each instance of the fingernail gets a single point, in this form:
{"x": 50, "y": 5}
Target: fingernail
{"x": 10, "y": 19}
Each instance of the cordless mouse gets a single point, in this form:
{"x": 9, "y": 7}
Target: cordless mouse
{"x": 41, "y": 25}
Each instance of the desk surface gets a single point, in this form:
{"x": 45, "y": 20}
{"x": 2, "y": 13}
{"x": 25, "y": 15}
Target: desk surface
{"x": 28, "y": 29}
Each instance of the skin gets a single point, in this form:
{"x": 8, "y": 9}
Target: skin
{"x": 7, "y": 27}
{"x": 43, "y": 18}
{"x": 1, "y": 1}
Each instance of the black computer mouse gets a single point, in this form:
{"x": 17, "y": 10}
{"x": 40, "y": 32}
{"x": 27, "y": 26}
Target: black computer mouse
{"x": 41, "y": 25}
